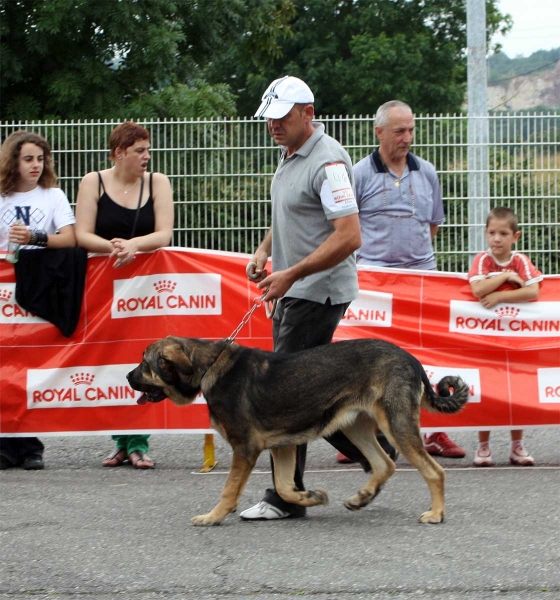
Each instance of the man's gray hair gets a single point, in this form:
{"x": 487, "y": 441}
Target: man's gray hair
{"x": 382, "y": 115}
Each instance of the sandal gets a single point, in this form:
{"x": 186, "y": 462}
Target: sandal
{"x": 116, "y": 458}
{"x": 136, "y": 457}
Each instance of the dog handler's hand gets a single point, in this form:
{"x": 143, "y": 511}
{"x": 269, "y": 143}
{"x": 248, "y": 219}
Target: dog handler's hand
{"x": 254, "y": 273}
{"x": 278, "y": 284}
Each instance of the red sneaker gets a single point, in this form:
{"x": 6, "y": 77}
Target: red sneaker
{"x": 343, "y": 460}
{"x": 438, "y": 444}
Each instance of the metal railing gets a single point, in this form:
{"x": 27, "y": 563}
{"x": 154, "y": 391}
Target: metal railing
{"x": 221, "y": 169}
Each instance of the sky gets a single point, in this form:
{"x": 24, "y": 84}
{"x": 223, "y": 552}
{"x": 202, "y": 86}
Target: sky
{"x": 536, "y": 26}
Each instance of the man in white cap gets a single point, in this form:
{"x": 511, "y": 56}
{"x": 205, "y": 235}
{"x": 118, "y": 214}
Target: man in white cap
{"x": 314, "y": 233}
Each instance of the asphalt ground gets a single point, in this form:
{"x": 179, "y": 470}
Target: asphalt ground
{"x": 78, "y": 530}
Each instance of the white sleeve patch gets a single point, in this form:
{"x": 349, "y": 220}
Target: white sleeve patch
{"x": 336, "y": 191}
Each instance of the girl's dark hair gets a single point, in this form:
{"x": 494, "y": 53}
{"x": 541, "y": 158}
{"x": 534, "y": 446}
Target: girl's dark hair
{"x": 9, "y": 160}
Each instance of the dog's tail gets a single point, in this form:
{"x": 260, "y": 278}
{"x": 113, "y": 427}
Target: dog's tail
{"x": 446, "y": 402}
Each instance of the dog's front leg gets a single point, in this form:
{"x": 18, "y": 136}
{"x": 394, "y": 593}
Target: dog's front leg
{"x": 241, "y": 467}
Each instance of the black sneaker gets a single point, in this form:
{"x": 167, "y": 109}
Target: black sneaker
{"x": 33, "y": 462}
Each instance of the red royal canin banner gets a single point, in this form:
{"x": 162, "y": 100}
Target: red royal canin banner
{"x": 50, "y": 384}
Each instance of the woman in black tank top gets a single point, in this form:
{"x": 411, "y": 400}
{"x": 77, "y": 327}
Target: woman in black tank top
{"x": 122, "y": 211}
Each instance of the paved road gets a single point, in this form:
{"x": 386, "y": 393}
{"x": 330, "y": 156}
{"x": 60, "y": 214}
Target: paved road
{"x": 77, "y": 530}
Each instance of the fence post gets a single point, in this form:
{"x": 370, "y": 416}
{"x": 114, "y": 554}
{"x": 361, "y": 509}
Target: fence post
{"x": 477, "y": 136}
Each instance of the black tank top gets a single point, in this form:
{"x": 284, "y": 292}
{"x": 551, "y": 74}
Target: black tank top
{"x": 116, "y": 221}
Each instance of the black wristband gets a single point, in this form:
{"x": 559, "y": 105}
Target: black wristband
{"x": 32, "y": 239}
{"x": 41, "y": 238}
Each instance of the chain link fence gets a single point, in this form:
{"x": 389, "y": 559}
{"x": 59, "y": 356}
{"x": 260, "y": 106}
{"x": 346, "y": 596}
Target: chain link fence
{"x": 221, "y": 170}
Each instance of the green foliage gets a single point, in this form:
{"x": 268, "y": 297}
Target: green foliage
{"x": 76, "y": 59}
{"x": 357, "y": 54}
{"x": 188, "y": 101}
{"x": 70, "y": 55}
{"x": 116, "y": 59}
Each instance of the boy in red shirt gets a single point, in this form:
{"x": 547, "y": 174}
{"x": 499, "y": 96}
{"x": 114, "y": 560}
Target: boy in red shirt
{"x": 503, "y": 275}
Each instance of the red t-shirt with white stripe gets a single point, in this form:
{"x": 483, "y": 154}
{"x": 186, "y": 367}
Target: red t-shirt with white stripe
{"x": 486, "y": 266}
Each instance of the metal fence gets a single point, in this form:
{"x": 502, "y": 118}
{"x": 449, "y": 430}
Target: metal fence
{"x": 221, "y": 169}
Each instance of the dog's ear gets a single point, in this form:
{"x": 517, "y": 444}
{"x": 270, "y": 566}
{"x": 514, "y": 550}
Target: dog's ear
{"x": 175, "y": 359}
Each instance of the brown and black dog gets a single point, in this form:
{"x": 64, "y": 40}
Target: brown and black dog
{"x": 260, "y": 400}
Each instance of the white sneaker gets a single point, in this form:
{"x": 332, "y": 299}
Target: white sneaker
{"x": 519, "y": 456}
{"x": 483, "y": 456}
{"x": 263, "y": 511}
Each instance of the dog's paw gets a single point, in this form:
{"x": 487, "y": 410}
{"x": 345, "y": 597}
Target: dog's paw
{"x": 351, "y": 504}
{"x": 431, "y": 517}
{"x": 320, "y": 497}
{"x": 361, "y": 499}
{"x": 204, "y": 521}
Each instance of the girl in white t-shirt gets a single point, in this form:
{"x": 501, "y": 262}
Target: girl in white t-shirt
{"x": 28, "y": 195}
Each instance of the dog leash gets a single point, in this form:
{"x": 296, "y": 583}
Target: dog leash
{"x": 269, "y": 307}
{"x": 257, "y": 303}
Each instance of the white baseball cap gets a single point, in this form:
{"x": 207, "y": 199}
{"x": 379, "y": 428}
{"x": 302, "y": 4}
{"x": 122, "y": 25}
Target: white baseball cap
{"x": 281, "y": 95}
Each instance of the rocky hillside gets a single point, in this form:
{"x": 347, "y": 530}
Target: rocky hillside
{"x": 539, "y": 89}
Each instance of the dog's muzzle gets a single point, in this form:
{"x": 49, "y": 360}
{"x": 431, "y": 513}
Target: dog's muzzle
{"x": 151, "y": 393}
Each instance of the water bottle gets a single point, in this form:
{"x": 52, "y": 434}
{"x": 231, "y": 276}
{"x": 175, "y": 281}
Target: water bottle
{"x": 13, "y": 248}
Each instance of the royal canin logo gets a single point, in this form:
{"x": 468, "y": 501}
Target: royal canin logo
{"x": 10, "y": 311}
{"x": 167, "y": 294}
{"x": 549, "y": 385}
{"x": 508, "y": 311}
{"x": 371, "y": 309}
{"x": 529, "y": 319}
{"x": 165, "y": 285}
{"x": 82, "y": 378}
{"x": 80, "y": 387}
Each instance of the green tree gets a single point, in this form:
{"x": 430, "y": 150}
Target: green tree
{"x": 357, "y": 54}
{"x": 127, "y": 58}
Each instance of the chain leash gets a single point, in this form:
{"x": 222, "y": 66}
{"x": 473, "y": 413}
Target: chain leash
{"x": 257, "y": 303}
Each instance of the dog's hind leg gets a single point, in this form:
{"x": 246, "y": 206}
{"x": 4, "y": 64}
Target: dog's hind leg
{"x": 362, "y": 433}
{"x": 284, "y": 458}
{"x": 413, "y": 450}
{"x": 241, "y": 466}
{"x": 398, "y": 418}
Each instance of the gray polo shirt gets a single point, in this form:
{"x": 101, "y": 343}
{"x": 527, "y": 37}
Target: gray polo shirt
{"x": 305, "y": 199}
